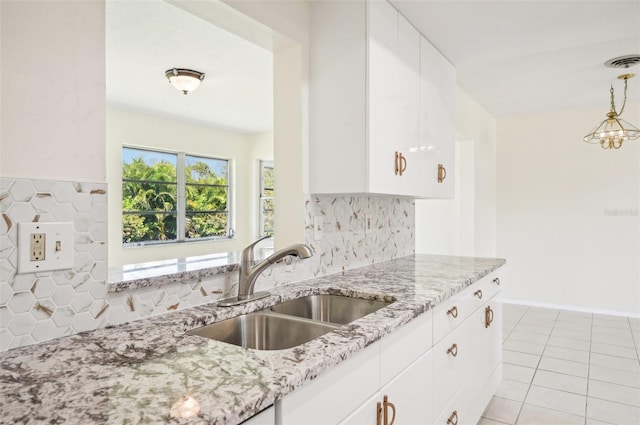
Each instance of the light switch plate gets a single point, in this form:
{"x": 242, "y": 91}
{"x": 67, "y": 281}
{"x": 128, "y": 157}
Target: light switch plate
{"x": 58, "y": 246}
{"x": 368, "y": 224}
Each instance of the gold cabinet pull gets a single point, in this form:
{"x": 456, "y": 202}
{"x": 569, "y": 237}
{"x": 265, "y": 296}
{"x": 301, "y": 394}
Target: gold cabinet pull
{"x": 397, "y": 168}
{"x": 400, "y": 164}
{"x": 453, "y": 311}
{"x": 453, "y": 350}
{"x": 442, "y": 173}
{"x": 478, "y": 294}
{"x": 385, "y": 412}
{"x": 379, "y": 414}
{"x": 403, "y": 163}
{"x": 453, "y": 419}
{"x": 496, "y": 281}
{"x": 488, "y": 316}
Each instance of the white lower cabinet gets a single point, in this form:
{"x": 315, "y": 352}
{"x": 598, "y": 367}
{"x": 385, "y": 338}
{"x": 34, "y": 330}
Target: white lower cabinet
{"x": 266, "y": 417}
{"x": 404, "y": 400}
{"x": 334, "y": 394}
{"x": 405, "y": 379}
{"x": 468, "y": 366}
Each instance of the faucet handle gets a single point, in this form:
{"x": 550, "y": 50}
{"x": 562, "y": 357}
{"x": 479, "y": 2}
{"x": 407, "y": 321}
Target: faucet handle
{"x": 247, "y": 253}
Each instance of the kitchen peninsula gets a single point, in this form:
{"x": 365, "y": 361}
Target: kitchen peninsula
{"x": 150, "y": 371}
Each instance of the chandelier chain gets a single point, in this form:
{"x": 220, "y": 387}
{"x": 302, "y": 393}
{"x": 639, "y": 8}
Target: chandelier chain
{"x": 624, "y": 102}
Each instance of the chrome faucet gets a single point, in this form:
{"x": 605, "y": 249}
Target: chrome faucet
{"x": 249, "y": 272}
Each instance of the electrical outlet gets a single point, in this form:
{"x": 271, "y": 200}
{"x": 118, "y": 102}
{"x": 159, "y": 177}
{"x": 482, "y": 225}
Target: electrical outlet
{"x": 44, "y": 246}
{"x": 37, "y": 246}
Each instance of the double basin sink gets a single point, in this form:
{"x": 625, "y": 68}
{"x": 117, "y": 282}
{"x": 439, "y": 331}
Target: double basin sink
{"x": 290, "y": 323}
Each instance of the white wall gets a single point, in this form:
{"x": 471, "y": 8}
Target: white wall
{"x": 53, "y": 77}
{"x": 138, "y": 129}
{"x": 52, "y": 84}
{"x": 289, "y": 40}
{"x": 466, "y": 224}
{"x": 568, "y": 220}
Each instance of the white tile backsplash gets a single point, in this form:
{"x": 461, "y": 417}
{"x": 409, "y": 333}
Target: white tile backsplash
{"x": 36, "y": 307}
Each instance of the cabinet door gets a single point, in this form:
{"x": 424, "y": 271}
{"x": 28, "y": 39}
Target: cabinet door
{"x": 334, "y": 394}
{"x": 366, "y": 414}
{"x": 383, "y": 102}
{"x": 408, "y": 130}
{"x": 408, "y": 398}
{"x": 437, "y": 120}
{"x": 411, "y": 393}
{"x": 266, "y": 417}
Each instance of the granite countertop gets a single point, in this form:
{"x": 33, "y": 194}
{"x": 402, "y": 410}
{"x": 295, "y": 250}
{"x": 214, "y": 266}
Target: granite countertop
{"x": 158, "y": 273}
{"x": 140, "y": 372}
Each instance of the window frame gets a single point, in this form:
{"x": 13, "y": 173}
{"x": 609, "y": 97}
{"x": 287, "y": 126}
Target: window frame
{"x": 262, "y": 164}
{"x": 181, "y": 199}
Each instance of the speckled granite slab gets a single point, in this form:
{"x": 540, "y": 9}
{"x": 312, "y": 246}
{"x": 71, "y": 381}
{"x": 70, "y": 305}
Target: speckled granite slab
{"x": 149, "y": 371}
{"x": 159, "y": 273}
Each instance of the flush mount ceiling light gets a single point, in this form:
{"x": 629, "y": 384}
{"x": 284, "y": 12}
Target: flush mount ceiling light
{"x": 613, "y": 131}
{"x": 185, "y": 80}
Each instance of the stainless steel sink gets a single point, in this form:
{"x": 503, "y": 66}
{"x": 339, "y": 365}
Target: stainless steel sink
{"x": 329, "y": 308}
{"x": 264, "y": 331}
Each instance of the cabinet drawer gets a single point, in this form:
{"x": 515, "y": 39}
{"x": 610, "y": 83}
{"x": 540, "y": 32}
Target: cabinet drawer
{"x": 453, "y": 411}
{"x": 453, "y": 311}
{"x": 334, "y": 394}
{"x": 450, "y": 368}
{"x": 484, "y": 289}
{"x": 402, "y": 347}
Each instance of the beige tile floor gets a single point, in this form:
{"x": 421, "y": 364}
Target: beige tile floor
{"x": 563, "y": 367}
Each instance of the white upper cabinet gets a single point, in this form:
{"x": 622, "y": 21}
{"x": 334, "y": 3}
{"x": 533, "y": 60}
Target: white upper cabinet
{"x": 437, "y": 121}
{"x": 367, "y": 133}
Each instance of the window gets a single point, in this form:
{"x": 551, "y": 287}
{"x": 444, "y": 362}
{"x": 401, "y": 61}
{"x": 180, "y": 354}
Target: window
{"x": 163, "y": 192}
{"x": 266, "y": 198}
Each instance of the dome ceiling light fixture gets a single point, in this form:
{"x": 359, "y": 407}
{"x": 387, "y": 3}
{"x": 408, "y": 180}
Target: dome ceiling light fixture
{"x": 613, "y": 130}
{"x": 185, "y": 80}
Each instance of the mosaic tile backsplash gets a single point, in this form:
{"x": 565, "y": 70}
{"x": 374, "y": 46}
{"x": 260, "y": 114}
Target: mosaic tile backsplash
{"x": 36, "y": 307}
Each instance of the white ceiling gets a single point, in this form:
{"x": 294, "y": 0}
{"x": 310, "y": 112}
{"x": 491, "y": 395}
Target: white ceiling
{"x": 145, "y": 38}
{"x": 514, "y": 57}
{"x": 518, "y": 57}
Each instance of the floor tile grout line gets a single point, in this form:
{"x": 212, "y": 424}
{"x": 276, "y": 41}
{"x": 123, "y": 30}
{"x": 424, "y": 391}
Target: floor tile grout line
{"x": 633, "y": 336}
{"x": 586, "y": 400}
{"x": 534, "y": 375}
{"x": 591, "y": 354}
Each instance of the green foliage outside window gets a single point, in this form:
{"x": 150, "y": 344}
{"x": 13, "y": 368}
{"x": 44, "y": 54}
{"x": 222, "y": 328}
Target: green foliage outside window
{"x": 206, "y": 197}
{"x": 266, "y": 198}
{"x": 150, "y": 201}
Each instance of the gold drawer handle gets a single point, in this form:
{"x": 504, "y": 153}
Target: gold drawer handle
{"x": 478, "y": 294}
{"x": 488, "y": 316}
{"x": 497, "y": 281}
{"x": 397, "y": 167}
{"x": 442, "y": 173}
{"x": 401, "y": 163}
{"x": 453, "y": 350}
{"x": 453, "y": 419}
{"x": 453, "y": 311}
{"x": 382, "y": 415}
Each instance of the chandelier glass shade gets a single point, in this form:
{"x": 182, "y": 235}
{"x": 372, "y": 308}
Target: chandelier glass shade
{"x": 185, "y": 80}
{"x": 613, "y": 131}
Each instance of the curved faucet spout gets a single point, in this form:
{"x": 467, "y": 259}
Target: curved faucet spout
{"x": 298, "y": 250}
{"x": 249, "y": 272}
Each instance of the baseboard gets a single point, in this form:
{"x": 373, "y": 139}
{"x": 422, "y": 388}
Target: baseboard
{"x": 572, "y": 308}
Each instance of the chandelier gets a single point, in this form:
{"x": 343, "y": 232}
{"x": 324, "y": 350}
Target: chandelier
{"x": 613, "y": 130}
